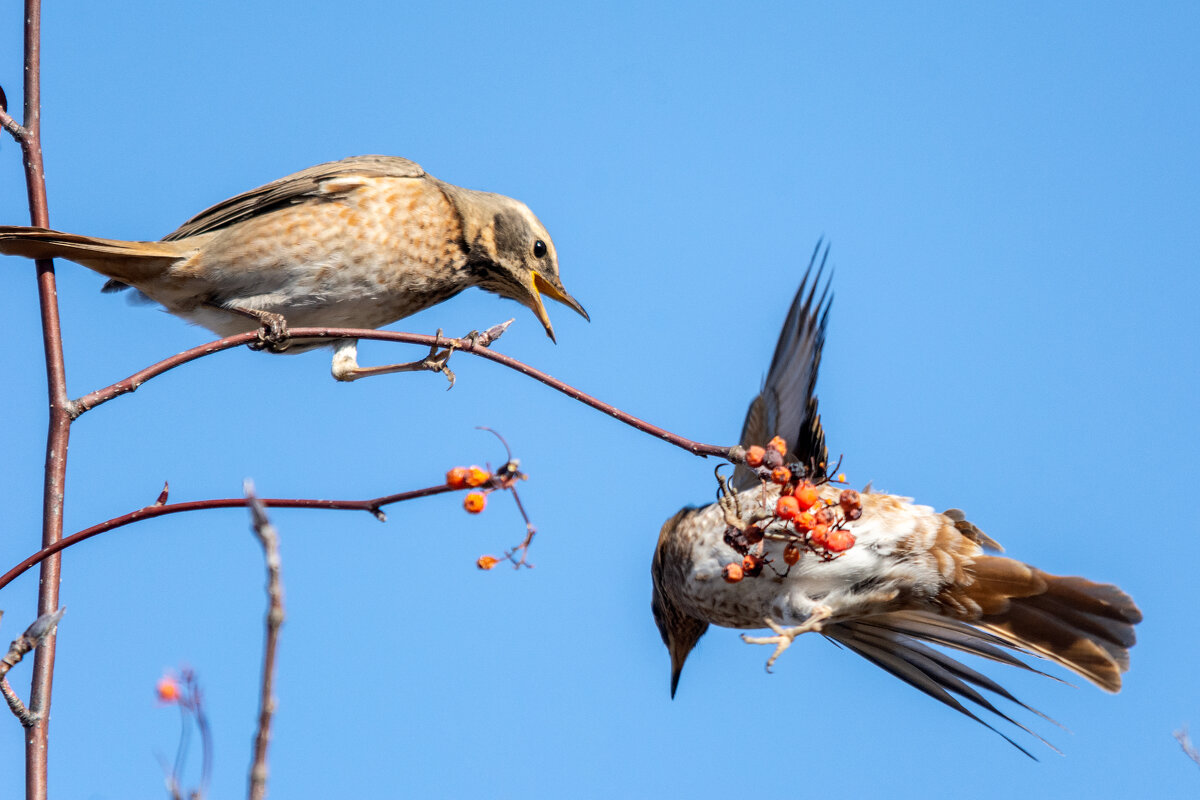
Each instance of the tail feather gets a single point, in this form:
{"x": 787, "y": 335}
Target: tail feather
{"x": 127, "y": 262}
{"x": 1084, "y": 626}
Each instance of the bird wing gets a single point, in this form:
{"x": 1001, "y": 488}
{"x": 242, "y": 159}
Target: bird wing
{"x": 296, "y": 188}
{"x": 786, "y": 405}
{"x": 898, "y": 642}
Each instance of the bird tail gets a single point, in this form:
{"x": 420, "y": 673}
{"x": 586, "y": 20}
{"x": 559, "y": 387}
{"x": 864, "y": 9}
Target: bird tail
{"x": 1086, "y": 627}
{"x": 125, "y": 262}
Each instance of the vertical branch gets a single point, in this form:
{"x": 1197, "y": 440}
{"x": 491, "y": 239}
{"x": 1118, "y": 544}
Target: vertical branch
{"x": 54, "y": 487}
{"x": 269, "y": 540}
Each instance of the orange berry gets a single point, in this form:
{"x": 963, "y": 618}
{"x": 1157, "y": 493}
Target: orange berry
{"x": 474, "y": 502}
{"x": 754, "y": 455}
{"x": 752, "y": 565}
{"x": 487, "y": 562}
{"x": 778, "y": 444}
{"x": 791, "y": 554}
{"x": 787, "y": 507}
{"x": 732, "y": 573}
{"x": 806, "y": 521}
{"x": 167, "y": 689}
{"x": 457, "y": 477}
{"x": 807, "y": 494}
{"x": 839, "y": 541}
{"x": 819, "y": 535}
{"x": 477, "y": 476}
{"x": 781, "y": 475}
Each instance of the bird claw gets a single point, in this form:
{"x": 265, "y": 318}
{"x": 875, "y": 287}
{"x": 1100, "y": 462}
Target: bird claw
{"x": 784, "y": 637}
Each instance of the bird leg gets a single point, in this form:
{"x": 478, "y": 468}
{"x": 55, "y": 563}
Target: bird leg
{"x": 345, "y": 356}
{"x": 273, "y": 333}
{"x": 784, "y": 637}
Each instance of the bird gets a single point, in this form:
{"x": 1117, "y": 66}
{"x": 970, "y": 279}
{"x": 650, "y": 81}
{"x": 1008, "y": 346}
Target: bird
{"x": 360, "y": 243}
{"x": 901, "y": 578}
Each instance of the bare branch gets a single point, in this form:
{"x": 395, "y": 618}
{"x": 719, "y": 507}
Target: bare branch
{"x": 33, "y": 636}
{"x": 465, "y": 345}
{"x": 1185, "y": 742}
{"x": 373, "y": 506}
{"x": 269, "y": 539}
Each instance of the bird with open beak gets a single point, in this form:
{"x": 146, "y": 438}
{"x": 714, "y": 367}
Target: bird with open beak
{"x": 890, "y": 579}
{"x": 357, "y": 243}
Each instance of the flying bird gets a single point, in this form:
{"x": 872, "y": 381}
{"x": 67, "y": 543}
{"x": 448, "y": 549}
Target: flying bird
{"x": 885, "y": 577}
{"x": 358, "y": 243}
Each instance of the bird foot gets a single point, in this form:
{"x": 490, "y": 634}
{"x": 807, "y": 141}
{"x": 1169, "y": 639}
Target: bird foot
{"x": 345, "y": 357}
{"x": 784, "y": 637}
{"x": 273, "y": 335}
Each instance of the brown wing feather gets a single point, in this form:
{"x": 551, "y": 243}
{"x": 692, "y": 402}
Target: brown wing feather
{"x": 786, "y": 405}
{"x": 299, "y": 187}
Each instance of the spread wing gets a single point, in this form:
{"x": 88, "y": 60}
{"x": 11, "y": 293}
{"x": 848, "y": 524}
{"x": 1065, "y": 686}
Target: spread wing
{"x": 786, "y": 405}
{"x": 300, "y": 187}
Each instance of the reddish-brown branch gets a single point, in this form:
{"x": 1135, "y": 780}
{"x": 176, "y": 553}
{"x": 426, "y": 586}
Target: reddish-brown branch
{"x": 28, "y": 135}
{"x": 131, "y": 383}
{"x": 373, "y": 506}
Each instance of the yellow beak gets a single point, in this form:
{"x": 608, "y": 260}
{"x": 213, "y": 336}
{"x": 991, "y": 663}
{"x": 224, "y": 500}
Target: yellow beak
{"x": 552, "y": 288}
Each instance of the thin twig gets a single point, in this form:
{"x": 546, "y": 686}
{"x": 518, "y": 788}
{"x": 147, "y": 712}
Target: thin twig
{"x": 269, "y": 539}
{"x": 1185, "y": 742}
{"x": 373, "y": 506}
{"x": 465, "y": 345}
{"x": 33, "y": 636}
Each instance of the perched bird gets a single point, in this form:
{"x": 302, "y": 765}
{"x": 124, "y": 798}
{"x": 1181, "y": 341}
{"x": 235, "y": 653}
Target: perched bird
{"x": 358, "y": 243}
{"x": 898, "y": 578}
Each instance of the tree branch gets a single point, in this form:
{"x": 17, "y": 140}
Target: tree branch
{"x": 465, "y": 345}
{"x": 269, "y": 539}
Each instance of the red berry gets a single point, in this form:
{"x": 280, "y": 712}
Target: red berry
{"x": 732, "y": 573}
{"x": 778, "y": 444}
{"x": 457, "y": 477}
{"x": 477, "y": 476}
{"x": 754, "y": 455}
{"x": 807, "y": 494}
{"x": 787, "y": 507}
{"x": 839, "y": 541}
{"x": 781, "y": 475}
{"x": 806, "y": 521}
{"x": 474, "y": 502}
{"x": 752, "y": 565}
{"x": 819, "y": 535}
{"x": 791, "y": 554}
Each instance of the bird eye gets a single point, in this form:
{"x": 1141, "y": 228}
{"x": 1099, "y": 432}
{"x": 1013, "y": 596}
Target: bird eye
{"x": 539, "y": 249}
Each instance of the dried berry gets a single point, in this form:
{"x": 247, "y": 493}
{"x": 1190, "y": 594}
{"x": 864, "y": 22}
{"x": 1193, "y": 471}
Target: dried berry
{"x": 487, "y": 562}
{"x": 778, "y": 444}
{"x": 735, "y": 539}
{"x": 806, "y": 494}
{"x": 781, "y": 475}
{"x": 474, "y": 502}
{"x": 787, "y": 507}
{"x": 825, "y": 516}
{"x": 457, "y": 477}
{"x": 753, "y": 534}
{"x": 754, "y": 455}
{"x": 853, "y": 514}
{"x": 849, "y": 499}
{"x": 772, "y": 459}
{"x": 752, "y": 565}
{"x": 791, "y": 554}
{"x": 477, "y": 476}
{"x": 839, "y": 541}
{"x": 732, "y": 573}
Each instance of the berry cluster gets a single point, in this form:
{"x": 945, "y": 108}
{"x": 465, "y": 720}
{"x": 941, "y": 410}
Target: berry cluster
{"x": 470, "y": 477}
{"x": 801, "y": 517}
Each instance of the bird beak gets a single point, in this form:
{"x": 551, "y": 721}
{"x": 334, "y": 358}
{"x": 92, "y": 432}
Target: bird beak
{"x": 552, "y": 288}
{"x": 678, "y": 656}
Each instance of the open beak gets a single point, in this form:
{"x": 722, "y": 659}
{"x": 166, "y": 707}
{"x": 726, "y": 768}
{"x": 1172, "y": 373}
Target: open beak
{"x": 552, "y": 288}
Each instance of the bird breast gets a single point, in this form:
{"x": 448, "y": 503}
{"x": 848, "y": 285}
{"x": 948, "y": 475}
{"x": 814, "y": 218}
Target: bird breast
{"x": 903, "y": 556}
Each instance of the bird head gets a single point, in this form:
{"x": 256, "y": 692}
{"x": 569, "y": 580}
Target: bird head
{"x": 679, "y": 630}
{"x": 510, "y": 251}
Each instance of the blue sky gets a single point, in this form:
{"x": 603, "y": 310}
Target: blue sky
{"x": 1011, "y": 194}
